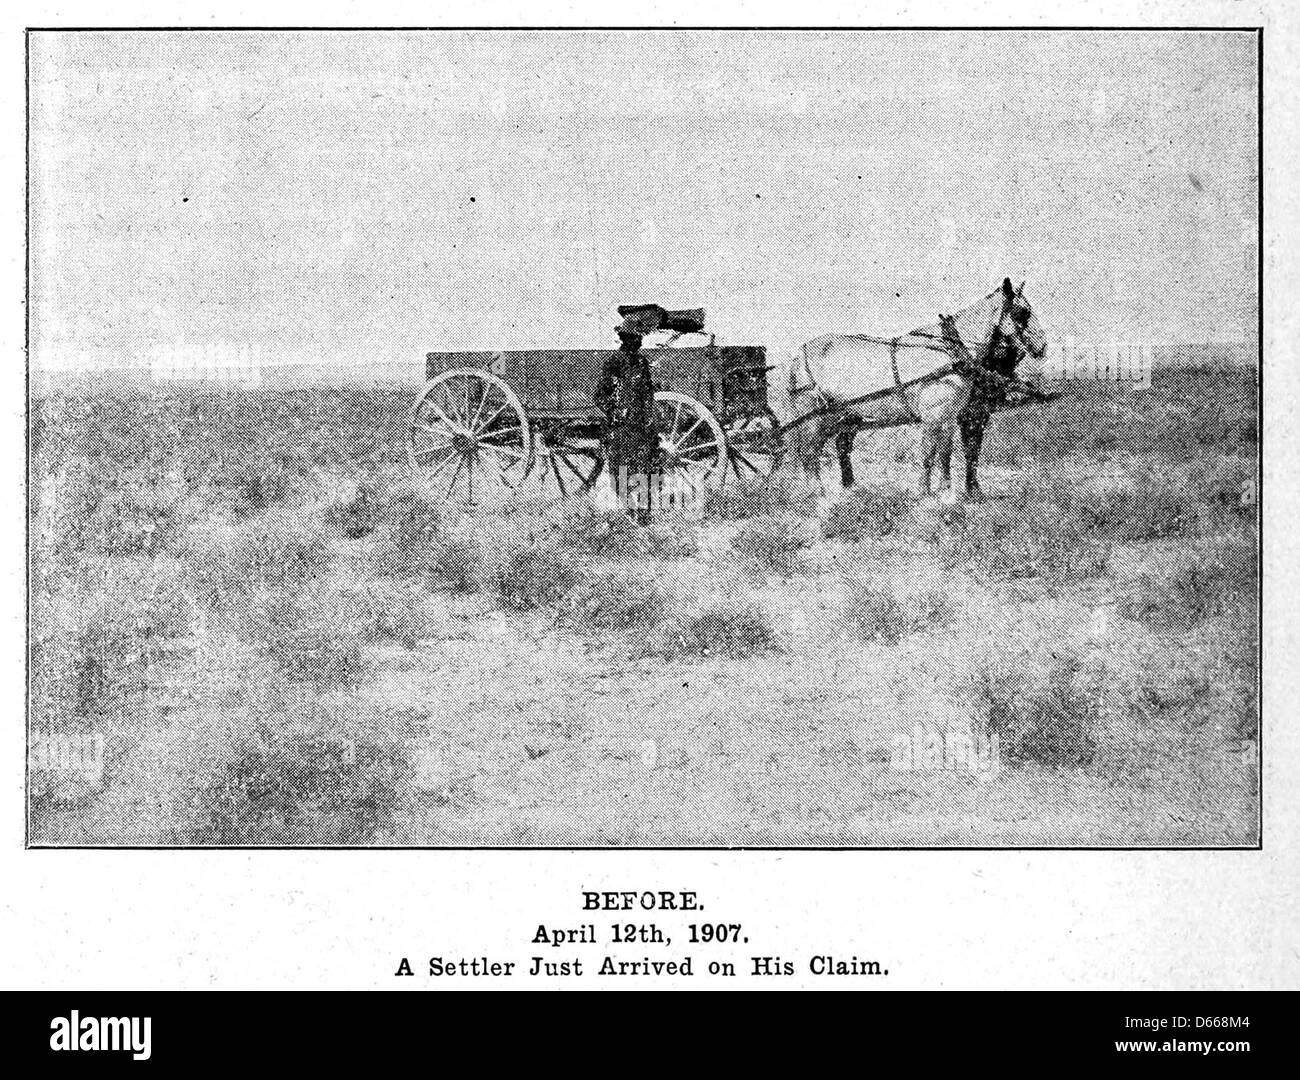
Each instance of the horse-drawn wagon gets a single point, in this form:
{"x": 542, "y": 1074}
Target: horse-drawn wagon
{"x": 492, "y": 419}
{"x": 489, "y": 419}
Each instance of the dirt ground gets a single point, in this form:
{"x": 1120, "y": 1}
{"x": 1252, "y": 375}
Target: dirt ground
{"x": 486, "y": 722}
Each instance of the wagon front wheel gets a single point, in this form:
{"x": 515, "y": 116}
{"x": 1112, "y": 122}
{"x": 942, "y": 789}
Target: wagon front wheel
{"x": 469, "y": 434}
{"x": 755, "y": 446}
{"x": 692, "y": 446}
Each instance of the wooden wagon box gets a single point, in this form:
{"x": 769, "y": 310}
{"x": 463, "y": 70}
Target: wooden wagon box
{"x": 561, "y": 382}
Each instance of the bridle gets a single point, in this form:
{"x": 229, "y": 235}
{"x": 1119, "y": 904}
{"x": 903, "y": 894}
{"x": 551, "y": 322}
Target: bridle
{"x": 1017, "y": 339}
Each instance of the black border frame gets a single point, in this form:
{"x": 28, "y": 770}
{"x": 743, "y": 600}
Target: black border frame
{"x": 1257, "y": 30}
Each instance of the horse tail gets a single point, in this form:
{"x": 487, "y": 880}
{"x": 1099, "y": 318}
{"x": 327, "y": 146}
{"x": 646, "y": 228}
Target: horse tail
{"x": 802, "y": 395}
{"x": 801, "y": 379}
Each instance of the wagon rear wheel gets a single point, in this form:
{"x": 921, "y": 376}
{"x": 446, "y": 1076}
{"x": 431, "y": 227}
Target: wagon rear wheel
{"x": 468, "y": 435}
{"x": 754, "y": 446}
{"x": 692, "y": 445}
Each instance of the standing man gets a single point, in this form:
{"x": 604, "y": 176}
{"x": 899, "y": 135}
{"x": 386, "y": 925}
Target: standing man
{"x": 625, "y": 394}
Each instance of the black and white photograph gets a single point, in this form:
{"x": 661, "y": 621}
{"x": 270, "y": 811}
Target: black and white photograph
{"x": 644, "y": 439}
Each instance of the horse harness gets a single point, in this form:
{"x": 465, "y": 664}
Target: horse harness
{"x": 899, "y": 385}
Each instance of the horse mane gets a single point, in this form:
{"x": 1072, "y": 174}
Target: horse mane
{"x": 974, "y": 327}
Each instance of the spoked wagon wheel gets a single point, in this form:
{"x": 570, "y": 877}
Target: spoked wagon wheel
{"x": 468, "y": 433}
{"x": 567, "y": 461}
{"x": 754, "y": 446}
{"x": 692, "y": 445}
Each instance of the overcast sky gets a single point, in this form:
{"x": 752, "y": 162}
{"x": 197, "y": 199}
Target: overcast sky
{"x": 369, "y": 196}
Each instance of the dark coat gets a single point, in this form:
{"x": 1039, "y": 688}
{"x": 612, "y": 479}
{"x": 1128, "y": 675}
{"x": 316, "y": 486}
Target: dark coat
{"x": 625, "y": 394}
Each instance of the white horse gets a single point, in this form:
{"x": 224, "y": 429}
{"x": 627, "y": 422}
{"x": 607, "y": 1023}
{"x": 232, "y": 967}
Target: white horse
{"x": 830, "y": 373}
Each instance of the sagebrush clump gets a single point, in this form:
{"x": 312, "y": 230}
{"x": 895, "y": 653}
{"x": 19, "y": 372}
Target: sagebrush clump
{"x": 878, "y": 615}
{"x": 867, "y": 513}
{"x": 273, "y": 552}
{"x": 325, "y": 785}
{"x": 356, "y": 511}
{"x": 1050, "y": 717}
{"x": 611, "y": 534}
{"x": 612, "y": 599}
{"x": 772, "y": 543}
{"x": 535, "y": 575}
{"x": 91, "y": 650}
{"x": 313, "y": 637}
{"x": 770, "y": 497}
{"x": 414, "y": 542}
{"x": 411, "y": 526}
{"x": 1216, "y": 583}
{"x": 736, "y": 630}
{"x": 393, "y": 612}
{"x": 1039, "y": 533}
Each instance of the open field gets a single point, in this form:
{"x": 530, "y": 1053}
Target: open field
{"x": 273, "y": 637}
